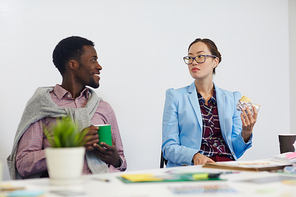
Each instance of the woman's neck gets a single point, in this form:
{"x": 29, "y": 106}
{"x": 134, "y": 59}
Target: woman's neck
{"x": 206, "y": 89}
{"x": 205, "y": 86}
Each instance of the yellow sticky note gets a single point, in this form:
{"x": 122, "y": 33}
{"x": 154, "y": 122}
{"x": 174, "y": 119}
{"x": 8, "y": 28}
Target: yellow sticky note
{"x": 200, "y": 176}
{"x": 140, "y": 177}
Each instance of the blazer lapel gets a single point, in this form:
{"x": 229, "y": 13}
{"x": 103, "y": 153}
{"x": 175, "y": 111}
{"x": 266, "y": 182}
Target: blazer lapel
{"x": 220, "y": 97}
{"x": 192, "y": 95}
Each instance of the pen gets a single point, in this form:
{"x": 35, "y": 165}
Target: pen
{"x": 230, "y": 172}
{"x": 205, "y": 176}
{"x": 104, "y": 180}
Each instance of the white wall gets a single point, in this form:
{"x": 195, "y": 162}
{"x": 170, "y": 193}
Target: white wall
{"x": 292, "y": 42}
{"x": 140, "y": 46}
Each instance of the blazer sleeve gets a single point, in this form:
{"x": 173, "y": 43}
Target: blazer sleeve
{"x": 172, "y": 149}
{"x": 238, "y": 143}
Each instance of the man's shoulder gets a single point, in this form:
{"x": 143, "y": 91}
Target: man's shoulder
{"x": 40, "y": 90}
{"x": 104, "y": 105}
{"x": 40, "y": 93}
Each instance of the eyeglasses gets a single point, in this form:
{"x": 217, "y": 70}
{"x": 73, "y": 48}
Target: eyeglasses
{"x": 199, "y": 59}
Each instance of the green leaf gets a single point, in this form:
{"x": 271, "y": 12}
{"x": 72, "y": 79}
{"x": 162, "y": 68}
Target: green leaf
{"x": 65, "y": 134}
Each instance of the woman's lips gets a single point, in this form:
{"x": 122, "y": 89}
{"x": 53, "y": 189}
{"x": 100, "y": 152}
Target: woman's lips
{"x": 195, "y": 69}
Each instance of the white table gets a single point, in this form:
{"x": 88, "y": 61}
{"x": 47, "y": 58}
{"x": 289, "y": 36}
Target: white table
{"x": 116, "y": 188}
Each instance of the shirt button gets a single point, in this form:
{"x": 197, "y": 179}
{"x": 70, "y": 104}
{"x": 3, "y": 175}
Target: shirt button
{"x": 212, "y": 125}
{"x": 215, "y": 144}
{"x": 69, "y": 95}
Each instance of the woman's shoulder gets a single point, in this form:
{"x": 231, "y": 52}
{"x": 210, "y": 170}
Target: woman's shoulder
{"x": 176, "y": 95}
{"x": 178, "y": 91}
{"x": 227, "y": 93}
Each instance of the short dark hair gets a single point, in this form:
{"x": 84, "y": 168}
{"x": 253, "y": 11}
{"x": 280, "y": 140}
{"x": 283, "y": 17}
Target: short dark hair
{"x": 212, "y": 47}
{"x": 68, "y": 49}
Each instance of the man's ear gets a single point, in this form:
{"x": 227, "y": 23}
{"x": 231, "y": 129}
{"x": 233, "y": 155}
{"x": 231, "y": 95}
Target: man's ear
{"x": 73, "y": 64}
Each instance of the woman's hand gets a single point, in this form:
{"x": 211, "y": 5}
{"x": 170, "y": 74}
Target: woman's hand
{"x": 199, "y": 159}
{"x": 248, "y": 121}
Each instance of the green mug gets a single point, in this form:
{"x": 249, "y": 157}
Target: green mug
{"x": 104, "y": 133}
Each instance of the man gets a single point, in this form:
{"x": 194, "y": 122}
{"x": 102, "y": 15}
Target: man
{"x": 77, "y": 61}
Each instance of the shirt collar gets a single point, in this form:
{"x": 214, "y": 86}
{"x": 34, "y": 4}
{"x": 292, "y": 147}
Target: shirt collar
{"x": 60, "y": 92}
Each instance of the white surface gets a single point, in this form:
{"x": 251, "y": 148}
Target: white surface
{"x": 140, "y": 46}
{"x": 116, "y": 188}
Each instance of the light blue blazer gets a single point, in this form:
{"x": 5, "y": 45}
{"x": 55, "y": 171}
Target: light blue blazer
{"x": 182, "y": 124}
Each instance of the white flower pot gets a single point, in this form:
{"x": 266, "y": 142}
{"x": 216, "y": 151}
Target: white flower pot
{"x": 65, "y": 165}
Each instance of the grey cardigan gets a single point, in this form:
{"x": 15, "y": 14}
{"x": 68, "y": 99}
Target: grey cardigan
{"x": 41, "y": 105}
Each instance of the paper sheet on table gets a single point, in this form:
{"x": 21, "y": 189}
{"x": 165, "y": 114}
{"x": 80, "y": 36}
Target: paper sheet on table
{"x": 140, "y": 177}
{"x": 144, "y": 178}
{"x": 257, "y": 165}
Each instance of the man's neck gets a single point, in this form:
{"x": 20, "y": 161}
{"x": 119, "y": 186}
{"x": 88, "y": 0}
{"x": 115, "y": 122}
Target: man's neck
{"x": 75, "y": 90}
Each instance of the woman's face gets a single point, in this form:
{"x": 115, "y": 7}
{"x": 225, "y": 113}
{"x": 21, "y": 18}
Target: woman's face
{"x": 201, "y": 70}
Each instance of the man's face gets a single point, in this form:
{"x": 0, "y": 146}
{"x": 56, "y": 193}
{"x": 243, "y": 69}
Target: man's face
{"x": 89, "y": 68}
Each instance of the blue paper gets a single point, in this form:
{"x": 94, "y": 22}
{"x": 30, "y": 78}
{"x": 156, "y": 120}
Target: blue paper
{"x": 25, "y": 193}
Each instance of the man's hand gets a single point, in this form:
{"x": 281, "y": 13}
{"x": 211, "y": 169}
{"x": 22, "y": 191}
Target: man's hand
{"x": 248, "y": 121}
{"x": 92, "y": 137}
{"x": 108, "y": 154}
{"x": 199, "y": 159}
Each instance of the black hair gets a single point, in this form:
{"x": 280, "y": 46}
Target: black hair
{"x": 68, "y": 49}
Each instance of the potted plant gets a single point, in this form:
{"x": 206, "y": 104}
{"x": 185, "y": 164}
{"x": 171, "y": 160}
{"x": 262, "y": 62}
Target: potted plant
{"x": 65, "y": 157}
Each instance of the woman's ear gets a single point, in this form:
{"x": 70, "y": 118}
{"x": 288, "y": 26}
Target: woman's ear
{"x": 216, "y": 62}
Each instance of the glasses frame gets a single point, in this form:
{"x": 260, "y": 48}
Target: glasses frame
{"x": 194, "y": 58}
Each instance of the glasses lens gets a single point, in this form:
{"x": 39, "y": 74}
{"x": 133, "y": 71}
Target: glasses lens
{"x": 187, "y": 60}
{"x": 200, "y": 58}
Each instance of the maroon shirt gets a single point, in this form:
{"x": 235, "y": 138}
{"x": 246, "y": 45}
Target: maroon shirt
{"x": 212, "y": 144}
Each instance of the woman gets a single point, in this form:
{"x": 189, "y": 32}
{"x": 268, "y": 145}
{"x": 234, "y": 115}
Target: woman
{"x": 200, "y": 122}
